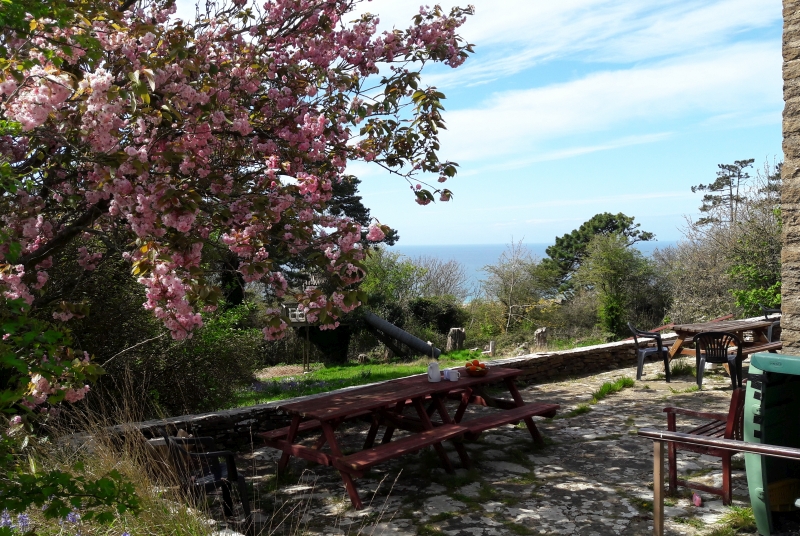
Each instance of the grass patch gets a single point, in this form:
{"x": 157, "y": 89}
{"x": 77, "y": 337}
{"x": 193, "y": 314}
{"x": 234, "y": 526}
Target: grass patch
{"x": 609, "y": 388}
{"x": 580, "y": 409}
{"x": 691, "y": 521}
{"x": 428, "y": 530}
{"x": 739, "y": 518}
{"x": 330, "y": 378}
{"x": 642, "y": 504}
{"x": 516, "y": 528}
{"x": 682, "y": 367}
{"x": 722, "y": 531}
{"x": 527, "y": 480}
{"x": 442, "y": 516}
{"x": 691, "y": 389}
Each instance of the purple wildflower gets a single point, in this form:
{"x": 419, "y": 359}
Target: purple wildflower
{"x": 5, "y": 519}
{"x": 23, "y": 522}
{"x": 73, "y": 517}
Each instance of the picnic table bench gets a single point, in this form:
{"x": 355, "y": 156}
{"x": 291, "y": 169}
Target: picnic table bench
{"x": 384, "y": 404}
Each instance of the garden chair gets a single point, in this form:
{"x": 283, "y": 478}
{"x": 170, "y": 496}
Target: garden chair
{"x": 659, "y": 351}
{"x": 718, "y": 425}
{"x": 207, "y": 470}
{"x": 719, "y": 347}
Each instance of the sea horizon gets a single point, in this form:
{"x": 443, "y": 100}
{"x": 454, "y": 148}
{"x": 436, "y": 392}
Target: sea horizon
{"x": 474, "y": 257}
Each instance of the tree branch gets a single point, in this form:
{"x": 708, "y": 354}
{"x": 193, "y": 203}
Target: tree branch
{"x": 65, "y": 235}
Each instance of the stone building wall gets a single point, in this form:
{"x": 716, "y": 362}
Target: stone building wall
{"x": 236, "y": 428}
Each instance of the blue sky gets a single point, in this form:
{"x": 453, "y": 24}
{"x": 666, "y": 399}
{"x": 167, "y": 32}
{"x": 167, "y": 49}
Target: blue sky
{"x": 573, "y": 107}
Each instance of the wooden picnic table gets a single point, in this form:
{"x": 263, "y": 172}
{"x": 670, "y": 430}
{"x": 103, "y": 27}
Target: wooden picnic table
{"x": 382, "y": 405}
{"x": 738, "y": 327}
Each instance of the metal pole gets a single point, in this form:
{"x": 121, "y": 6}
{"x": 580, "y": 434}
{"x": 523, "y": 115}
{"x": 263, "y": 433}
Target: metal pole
{"x": 658, "y": 488}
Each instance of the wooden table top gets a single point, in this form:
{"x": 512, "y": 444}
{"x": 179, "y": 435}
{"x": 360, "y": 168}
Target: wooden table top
{"x": 369, "y": 397}
{"x": 726, "y": 325}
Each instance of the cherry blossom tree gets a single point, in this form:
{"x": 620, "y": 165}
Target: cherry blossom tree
{"x": 127, "y": 131}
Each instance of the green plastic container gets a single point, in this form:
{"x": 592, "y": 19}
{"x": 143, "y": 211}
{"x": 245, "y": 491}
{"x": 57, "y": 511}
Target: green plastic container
{"x": 772, "y": 416}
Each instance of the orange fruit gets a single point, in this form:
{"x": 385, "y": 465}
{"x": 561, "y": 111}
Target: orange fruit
{"x": 482, "y": 365}
{"x": 476, "y": 362}
{"x": 468, "y": 364}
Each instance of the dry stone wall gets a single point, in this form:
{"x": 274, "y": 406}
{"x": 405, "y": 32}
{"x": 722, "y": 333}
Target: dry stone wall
{"x": 236, "y": 428}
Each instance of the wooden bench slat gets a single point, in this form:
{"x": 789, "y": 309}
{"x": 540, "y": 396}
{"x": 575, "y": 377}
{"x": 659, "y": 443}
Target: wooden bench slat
{"x": 476, "y": 426}
{"x": 281, "y": 433}
{"x": 708, "y": 428}
{"x": 305, "y": 426}
{"x": 365, "y": 459}
{"x": 766, "y": 347}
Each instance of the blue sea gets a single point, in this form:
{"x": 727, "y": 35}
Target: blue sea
{"x": 475, "y": 256}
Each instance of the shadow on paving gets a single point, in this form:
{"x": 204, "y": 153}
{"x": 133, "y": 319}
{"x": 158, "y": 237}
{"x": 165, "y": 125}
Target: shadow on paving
{"x": 594, "y": 476}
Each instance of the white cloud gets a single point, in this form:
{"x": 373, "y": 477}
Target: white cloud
{"x": 515, "y": 35}
{"x": 743, "y": 79}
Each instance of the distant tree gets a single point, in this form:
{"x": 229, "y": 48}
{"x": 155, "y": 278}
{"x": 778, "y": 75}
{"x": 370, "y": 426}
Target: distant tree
{"x": 392, "y": 281}
{"x": 625, "y": 282}
{"x": 442, "y": 278}
{"x": 509, "y": 282}
{"x": 569, "y": 250}
{"x": 727, "y": 265}
{"x": 724, "y": 194}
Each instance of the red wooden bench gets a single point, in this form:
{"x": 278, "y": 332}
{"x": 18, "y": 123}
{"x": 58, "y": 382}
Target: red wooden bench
{"x": 476, "y": 426}
{"x": 305, "y": 426}
{"x": 357, "y": 463}
{"x": 765, "y": 347}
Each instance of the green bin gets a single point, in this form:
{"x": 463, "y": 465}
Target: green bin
{"x": 772, "y": 416}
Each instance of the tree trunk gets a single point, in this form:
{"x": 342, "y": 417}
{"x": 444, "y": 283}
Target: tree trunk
{"x": 790, "y": 196}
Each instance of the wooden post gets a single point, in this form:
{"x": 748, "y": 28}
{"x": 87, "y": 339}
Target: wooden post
{"x": 491, "y": 348}
{"x": 658, "y": 488}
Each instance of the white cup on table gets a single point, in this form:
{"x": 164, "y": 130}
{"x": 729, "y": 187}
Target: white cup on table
{"x": 452, "y": 374}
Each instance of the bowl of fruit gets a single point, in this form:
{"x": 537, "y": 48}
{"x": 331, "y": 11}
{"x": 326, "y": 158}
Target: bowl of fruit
{"x": 476, "y": 368}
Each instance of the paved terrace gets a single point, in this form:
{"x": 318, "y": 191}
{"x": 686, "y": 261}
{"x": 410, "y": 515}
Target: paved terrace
{"x": 594, "y": 477}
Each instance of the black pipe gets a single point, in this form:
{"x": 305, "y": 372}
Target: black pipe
{"x": 398, "y": 334}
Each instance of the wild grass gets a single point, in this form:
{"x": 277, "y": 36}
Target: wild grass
{"x": 682, "y": 367}
{"x": 609, "y": 388}
{"x": 739, "y": 519}
{"x": 580, "y": 409}
{"x": 164, "y": 509}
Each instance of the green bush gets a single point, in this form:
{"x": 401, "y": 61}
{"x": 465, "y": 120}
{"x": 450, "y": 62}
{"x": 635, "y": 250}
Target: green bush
{"x": 439, "y": 312}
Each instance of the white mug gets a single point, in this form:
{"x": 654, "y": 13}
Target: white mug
{"x": 452, "y": 374}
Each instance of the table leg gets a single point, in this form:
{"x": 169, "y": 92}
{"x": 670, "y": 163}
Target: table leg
{"x": 658, "y": 488}
{"x": 460, "y": 449}
{"x": 323, "y": 439}
{"x": 284, "y": 461}
{"x": 373, "y": 431}
{"x": 462, "y": 407}
{"x": 390, "y": 428}
{"x": 535, "y": 434}
{"x": 426, "y": 421}
{"x": 349, "y": 485}
{"x": 676, "y": 346}
{"x": 760, "y": 335}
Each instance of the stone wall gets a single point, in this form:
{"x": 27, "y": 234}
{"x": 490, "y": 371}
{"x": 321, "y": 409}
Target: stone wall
{"x": 236, "y": 428}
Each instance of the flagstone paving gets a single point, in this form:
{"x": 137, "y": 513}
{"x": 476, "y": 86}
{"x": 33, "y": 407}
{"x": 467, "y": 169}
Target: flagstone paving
{"x": 594, "y": 476}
